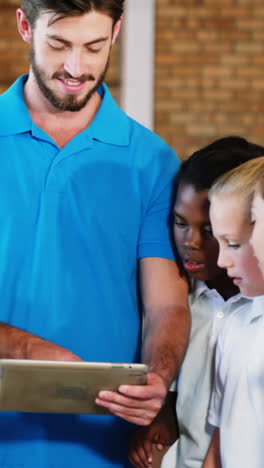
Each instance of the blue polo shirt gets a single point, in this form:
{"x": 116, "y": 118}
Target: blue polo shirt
{"x": 74, "y": 222}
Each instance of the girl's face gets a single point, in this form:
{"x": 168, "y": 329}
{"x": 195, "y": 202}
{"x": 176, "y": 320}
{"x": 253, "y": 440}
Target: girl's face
{"x": 258, "y": 228}
{"x": 232, "y": 228}
{"x": 193, "y": 234}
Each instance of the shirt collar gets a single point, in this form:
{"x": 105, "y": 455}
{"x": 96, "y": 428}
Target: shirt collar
{"x": 199, "y": 288}
{"x": 14, "y": 115}
{"x": 257, "y": 309}
{"x": 110, "y": 125}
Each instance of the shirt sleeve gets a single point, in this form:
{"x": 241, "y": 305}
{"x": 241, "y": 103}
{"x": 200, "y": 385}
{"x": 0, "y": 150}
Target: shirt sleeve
{"x": 155, "y": 237}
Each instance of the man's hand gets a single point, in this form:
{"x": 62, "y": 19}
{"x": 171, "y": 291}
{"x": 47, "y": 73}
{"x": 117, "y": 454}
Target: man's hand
{"x": 138, "y": 404}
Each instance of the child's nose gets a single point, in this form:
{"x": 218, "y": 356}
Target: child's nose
{"x": 193, "y": 239}
{"x": 223, "y": 261}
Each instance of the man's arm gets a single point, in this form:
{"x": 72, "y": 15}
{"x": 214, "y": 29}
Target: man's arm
{"x": 166, "y": 331}
{"x": 166, "y": 317}
{"x": 19, "y": 344}
{"x": 213, "y": 459}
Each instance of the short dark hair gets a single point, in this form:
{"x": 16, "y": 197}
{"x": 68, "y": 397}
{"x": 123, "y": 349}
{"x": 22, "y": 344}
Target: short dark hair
{"x": 63, "y": 8}
{"x": 204, "y": 166}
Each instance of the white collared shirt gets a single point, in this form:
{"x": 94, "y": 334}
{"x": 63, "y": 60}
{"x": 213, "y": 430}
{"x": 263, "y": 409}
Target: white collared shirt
{"x": 237, "y": 404}
{"x": 209, "y": 313}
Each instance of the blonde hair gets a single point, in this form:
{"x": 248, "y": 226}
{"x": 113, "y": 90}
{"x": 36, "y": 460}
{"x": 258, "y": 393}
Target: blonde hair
{"x": 241, "y": 180}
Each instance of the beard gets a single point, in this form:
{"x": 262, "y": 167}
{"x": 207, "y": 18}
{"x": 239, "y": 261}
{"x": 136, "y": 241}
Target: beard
{"x": 69, "y": 103}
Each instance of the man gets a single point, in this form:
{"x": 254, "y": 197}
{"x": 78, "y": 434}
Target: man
{"x": 85, "y": 195}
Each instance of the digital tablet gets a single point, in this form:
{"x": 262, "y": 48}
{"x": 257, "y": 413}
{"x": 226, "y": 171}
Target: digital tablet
{"x": 62, "y": 387}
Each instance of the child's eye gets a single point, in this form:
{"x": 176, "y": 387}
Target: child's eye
{"x": 208, "y": 229}
{"x": 252, "y": 217}
{"x": 234, "y": 246}
{"x": 179, "y": 222}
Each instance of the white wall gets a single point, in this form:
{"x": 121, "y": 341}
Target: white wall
{"x": 137, "y": 61}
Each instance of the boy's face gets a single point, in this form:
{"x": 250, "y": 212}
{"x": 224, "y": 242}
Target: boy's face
{"x": 232, "y": 228}
{"x": 258, "y": 228}
{"x": 193, "y": 234}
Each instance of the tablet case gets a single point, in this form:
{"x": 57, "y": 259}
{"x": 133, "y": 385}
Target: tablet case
{"x": 62, "y": 387}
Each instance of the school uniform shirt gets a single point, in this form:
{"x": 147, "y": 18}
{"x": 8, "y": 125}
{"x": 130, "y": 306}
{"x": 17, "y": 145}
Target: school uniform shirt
{"x": 209, "y": 313}
{"x": 237, "y": 404}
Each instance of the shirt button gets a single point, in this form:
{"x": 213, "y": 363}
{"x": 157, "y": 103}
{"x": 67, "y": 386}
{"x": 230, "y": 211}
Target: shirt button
{"x": 220, "y": 315}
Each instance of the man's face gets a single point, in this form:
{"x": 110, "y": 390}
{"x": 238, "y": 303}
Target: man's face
{"x": 258, "y": 228}
{"x": 231, "y": 224}
{"x": 69, "y": 56}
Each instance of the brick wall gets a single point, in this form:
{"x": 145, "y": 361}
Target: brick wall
{"x": 209, "y": 71}
{"x": 209, "y": 68}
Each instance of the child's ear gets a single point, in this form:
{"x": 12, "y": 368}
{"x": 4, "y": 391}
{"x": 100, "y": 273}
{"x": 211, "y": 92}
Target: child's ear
{"x": 23, "y": 26}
